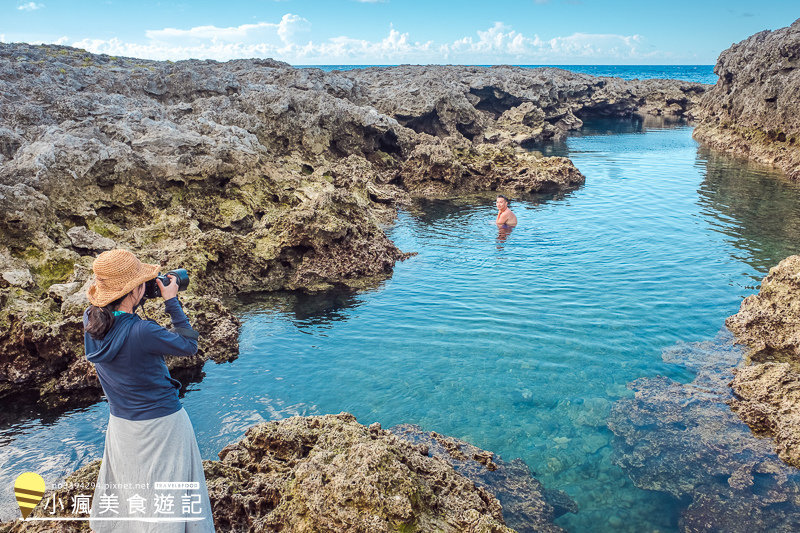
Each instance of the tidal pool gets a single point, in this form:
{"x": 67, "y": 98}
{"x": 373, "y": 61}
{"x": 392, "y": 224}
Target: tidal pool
{"x": 517, "y": 343}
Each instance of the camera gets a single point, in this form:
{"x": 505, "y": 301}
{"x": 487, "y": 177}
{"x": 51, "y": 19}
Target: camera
{"x": 151, "y": 289}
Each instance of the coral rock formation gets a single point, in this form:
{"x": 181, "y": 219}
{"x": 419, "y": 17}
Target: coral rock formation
{"x": 252, "y": 175}
{"x": 331, "y": 474}
{"x": 768, "y": 400}
{"x": 752, "y": 110}
{"x": 684, "y": 440}
{"x": 768, "y": 323}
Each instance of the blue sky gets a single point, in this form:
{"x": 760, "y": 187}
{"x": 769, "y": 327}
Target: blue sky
{"x": 360, "y": 32}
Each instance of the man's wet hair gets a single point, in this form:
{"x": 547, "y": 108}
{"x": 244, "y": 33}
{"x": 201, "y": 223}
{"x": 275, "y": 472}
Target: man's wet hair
{"x": 504, "y": 198}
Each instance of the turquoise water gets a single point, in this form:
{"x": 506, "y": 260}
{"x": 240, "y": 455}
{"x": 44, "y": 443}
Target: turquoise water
{"x": 518, "y": 343}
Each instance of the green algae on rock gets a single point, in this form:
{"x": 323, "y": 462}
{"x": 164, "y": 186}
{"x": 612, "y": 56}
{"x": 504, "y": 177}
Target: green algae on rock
{"x": 331, "y": 474}
{"x": 253, "y": 175}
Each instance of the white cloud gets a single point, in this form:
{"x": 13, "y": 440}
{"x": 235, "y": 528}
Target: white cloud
{"x": 286, "y": 40}
{"x": 260, "y": 33}
{"x": 30, "y": 6}
{"x": 2, "y": 38}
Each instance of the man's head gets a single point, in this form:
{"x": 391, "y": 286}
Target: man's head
{"x": 502, "y": 202}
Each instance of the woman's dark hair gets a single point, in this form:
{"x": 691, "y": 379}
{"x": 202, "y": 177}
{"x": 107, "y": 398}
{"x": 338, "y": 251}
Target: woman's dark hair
{"x": 101, "y": 319}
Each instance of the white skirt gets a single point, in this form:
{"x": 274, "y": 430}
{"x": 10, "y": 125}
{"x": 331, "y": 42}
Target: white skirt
{"x": 151, "y": 479}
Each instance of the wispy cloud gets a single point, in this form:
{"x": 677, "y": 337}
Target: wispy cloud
{"x": 30, "y": 6}
{"x": 287, "y": 40}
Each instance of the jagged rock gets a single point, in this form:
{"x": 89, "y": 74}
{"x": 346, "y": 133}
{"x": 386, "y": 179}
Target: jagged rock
{"x": 18, "y": 278}
{"x": 684, "y": 440}
{"x": 89, "y": 240}
{"x": 436, "y": 170}
{"x": 511, "y": 105}
{"x": 752, "y": 111}
{"x": 253, "y": 175}
{"x": 753, "y": 108}
{"x": 331, "y": 474}
{"x": 768, "y": 400}
{"x": 528, "y": 507}
{"x": 61, "y": 291}
{"x": 769, "y": 322}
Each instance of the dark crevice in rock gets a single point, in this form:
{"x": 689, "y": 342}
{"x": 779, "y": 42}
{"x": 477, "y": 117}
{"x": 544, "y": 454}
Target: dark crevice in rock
{"x": 427, "y": 123}
{"x": 494, "y": 100}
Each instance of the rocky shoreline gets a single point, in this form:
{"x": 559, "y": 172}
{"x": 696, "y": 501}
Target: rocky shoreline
{"x": 751, "y": 111}
{"x": 330, "y": 473}
{"x": 684, "y": 440}
{"x": 768, "y": 390}
{"x": 253, "y": 175}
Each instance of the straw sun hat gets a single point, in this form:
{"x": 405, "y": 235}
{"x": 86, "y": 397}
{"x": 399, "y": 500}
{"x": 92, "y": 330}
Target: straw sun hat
{"x": 116, "y": 273}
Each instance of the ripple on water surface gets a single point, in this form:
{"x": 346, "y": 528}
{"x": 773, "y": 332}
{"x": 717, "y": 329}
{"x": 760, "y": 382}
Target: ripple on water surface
{"x": 517, "y": 343}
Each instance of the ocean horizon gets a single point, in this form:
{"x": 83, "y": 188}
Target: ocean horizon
{"x": 690, "y": 73}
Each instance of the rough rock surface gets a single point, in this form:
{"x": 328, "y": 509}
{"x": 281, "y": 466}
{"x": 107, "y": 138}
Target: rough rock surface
{"x": 528, "y": 507}
{"x": 684, "y": 440}
{"x": 253, "y": 175}
{"x": 753, "y": 108}
{"x": 331, "y": 474}
{"x": 768, "y": 400}
{"x": 769, "y": 322}
{"x": 768, "y": 393}
{"x": 753, "y": 111}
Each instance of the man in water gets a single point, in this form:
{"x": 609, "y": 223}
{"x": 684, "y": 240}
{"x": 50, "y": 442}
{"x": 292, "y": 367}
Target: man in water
{"x": 505, "y": 218}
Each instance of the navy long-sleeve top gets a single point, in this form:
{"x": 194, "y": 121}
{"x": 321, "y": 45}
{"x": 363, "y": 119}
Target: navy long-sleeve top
{"x": 130, "y": 363}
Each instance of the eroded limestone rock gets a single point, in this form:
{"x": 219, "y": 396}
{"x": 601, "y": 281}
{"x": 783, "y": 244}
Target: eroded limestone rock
{"x": 767, "y": 393}
{"x": 89, "y": 240}
{"x": 753, "y": 108}
{"x": 768, "y": 400}
{"x": 251, "y": 174}
{"x": 769, "y": 322}
{"x": 331, "y": 474}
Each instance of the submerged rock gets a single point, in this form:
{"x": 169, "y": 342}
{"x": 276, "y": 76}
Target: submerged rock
{"x": 528, "y": 507}
{"x": 331, "y": 474}
{"x": 753, "y": 108}
{"x": 683, "y": 439}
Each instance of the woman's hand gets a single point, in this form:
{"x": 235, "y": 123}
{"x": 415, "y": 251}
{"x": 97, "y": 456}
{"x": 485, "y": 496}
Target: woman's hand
{"x": 169, "y": 291}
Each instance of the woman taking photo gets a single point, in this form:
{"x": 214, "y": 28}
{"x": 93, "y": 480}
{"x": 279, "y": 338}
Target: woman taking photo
{"x": 151, "y": 479}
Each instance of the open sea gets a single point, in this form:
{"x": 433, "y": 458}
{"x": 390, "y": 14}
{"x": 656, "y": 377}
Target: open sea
{"x": 693, "y": 73}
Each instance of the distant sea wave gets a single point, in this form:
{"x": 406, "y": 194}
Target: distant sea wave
{"x": 694, "y": 73}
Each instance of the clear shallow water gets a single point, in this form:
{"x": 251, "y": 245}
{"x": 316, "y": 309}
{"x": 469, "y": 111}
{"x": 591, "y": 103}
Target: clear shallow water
{"x": 693, "y": 73}
{"x": 518, "y": 344}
